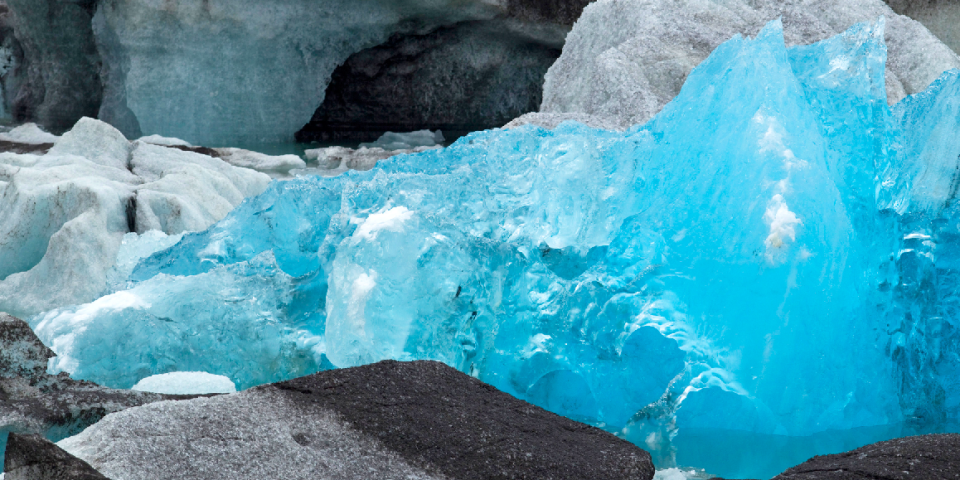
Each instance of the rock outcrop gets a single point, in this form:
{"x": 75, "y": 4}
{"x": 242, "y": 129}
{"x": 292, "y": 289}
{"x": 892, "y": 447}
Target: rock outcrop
{"x": 419, "y": 420}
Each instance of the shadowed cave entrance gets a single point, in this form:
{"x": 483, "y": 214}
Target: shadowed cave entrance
{"x": 467, "y": 77}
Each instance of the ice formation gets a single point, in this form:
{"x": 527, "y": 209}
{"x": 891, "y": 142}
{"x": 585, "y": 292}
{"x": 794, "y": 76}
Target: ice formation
{"x": 332, "y": 161}
{"x": 772, "y": 253}
{"x": 28, "y": 133}
{"x": 235, "y": 70}
{"x": 625, "y": 59}
{"x": 63, "y": 214}
{"x": 406, "y": 140}
{"x": 186, "y": 383}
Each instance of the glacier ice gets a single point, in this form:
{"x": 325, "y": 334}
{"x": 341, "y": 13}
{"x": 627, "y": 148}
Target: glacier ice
{"x": 772, "y": 253}
{"x": 625, "y": 59}
{"x": 186, "y": 383}
{"x": 63, "y": 214}
{"x": 406, "y": 140}
{"x": 228, "y": 71}
{"x": 28, "y": 133}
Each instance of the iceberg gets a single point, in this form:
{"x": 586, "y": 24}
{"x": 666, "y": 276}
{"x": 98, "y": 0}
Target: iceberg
{"x": 771, "y": 253}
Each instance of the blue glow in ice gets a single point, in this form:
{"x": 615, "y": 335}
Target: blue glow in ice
{"x": 725, "y": 266}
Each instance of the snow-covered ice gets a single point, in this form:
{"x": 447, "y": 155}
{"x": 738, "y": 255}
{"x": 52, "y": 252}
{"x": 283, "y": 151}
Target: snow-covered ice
{"x": 28, "y": 133}
{"x": 63, "y": 215}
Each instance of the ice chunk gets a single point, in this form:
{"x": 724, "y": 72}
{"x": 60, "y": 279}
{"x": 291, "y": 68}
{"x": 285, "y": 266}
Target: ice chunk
{"x": 28, "y": 133}
{"x": 134, "y": 248}
{"x": 96, "y": 141}
{"x": 406, "y": 141}
{"x": 679, "y": 474}
{"x": 260, "y": 162}
{"x": 626, "y": 59}
{"x": 64, "y": 214}
{"x": 186, "y": 383}
{"x": 332, "y": 161}
{"x": 165, "y": 141}
{"x": 229, "y": 307}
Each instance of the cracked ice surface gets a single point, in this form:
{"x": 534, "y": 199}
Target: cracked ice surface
{"x": 725, "y": 265}
{"x": 63, "y": 215}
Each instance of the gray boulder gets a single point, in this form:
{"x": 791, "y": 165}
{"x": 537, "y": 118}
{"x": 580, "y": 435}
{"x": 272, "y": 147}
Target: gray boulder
{"x": 420, "y": 420}
{"x": 32, "y": 457}
{"x": 939, "y": 16}
{"x": 625, "y": 59}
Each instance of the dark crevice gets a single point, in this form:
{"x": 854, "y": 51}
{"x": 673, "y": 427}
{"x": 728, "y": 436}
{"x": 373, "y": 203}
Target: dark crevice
{"x": 132, "y": 214}
{"x": 201, "y": 150}
{"x": 17, "y": 147}
{"x": 466, "y": 77}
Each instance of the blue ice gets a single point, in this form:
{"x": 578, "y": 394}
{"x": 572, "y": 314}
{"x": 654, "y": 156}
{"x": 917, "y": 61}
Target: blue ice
{"x": 775, "y": 253}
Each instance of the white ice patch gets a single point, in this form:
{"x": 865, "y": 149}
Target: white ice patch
{"x": 782, "y": 224}
{"x": 407, "y": 141}
{"x": 165, "y": 141}
{"x": 28, "y": 133}
{"x": 678, "y": 474}
{"x": 186, "y": 383}
{"x": 391, "y": 220}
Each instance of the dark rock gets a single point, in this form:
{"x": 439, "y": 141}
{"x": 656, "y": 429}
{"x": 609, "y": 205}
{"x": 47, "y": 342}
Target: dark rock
{"x": 435, "y": 415}
{"x": 388, "y": 420}
{"x": 919, "y": 457}
{"x": 31, "y": 401}
{"x": 22, "y": 353}
{"x": 32, "y": 457}
{"x": 472, "y": 76}
{"x": 61, "y": 66}
{"x": 564, "y": 12}
{"x": 16, "y": 147}
{"x": 210, "y": 152}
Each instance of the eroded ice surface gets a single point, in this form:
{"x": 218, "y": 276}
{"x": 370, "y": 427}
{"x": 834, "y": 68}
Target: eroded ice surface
{"x": 407, "y": 140}
{"x": 186, "y": 383}
{"x": 725, "y": 266}
{"x": 63, "y": 215}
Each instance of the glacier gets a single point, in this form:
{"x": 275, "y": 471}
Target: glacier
{"x": 774, "y": 252}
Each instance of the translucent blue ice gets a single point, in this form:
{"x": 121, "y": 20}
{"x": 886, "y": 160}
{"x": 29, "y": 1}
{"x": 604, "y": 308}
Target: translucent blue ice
{"x": 747, "y": 260}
